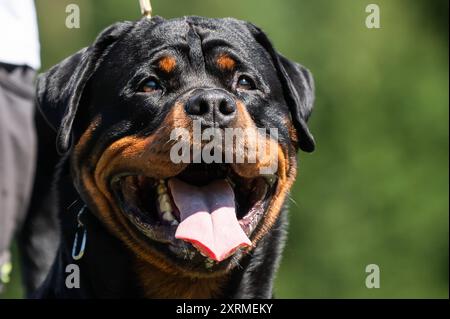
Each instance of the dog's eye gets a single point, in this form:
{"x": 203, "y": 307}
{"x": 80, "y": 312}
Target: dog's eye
{"x": 151, "y": 85}
{"x": 245, "y": 83}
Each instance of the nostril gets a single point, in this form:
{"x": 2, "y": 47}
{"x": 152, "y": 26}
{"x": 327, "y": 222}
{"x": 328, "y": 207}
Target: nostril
{"x": 203, "y": 107}
{"x": 197, "y": 106}
{"x": 226, "y": 108}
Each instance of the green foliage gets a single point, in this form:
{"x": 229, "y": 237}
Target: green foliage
{"x": 376, "y": 189}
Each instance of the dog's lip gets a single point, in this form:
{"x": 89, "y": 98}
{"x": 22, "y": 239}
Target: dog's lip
{"x": 164, "y": 233}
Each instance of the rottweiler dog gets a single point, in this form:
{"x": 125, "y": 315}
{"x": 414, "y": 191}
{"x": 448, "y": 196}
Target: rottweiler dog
{"x": 135, "y": 222}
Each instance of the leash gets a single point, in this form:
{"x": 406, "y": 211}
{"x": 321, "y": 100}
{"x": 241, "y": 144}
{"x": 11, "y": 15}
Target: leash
{"x": 146, "y": 8}
{"x": 77, "y": 254}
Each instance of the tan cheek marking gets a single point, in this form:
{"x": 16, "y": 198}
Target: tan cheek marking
{"x": 287, "y": 171}
{"x": 292, "y": 132}
{"x": 225, "y": 62}
{"x": 167, "y": 64}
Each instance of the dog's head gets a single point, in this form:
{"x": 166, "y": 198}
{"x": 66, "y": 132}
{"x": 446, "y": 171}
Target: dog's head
{"x": 126, "y": 109}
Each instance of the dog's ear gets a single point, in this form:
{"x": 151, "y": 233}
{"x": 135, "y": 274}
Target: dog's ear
{"x": 298, "y": 86}
{"x": 59, "y": 90}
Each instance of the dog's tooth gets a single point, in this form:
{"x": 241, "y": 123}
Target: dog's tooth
{"x": 160, "y": 189}
{"x": 168, "y": 216}
{"x": 138, "y": 221}
{"x": 164, "y": 203}
{"x": 209, "y": 263}
{"x": 174, "y": 222}
{"x": 165, "y": 207}
{"x": 164, "y": 198}
{"x": 189, "y": 254}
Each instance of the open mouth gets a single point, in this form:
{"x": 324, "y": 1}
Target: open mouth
{"x": 208, "y": 208}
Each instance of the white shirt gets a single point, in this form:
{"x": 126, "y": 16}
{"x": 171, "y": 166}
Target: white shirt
{"x": 19, "y": 39}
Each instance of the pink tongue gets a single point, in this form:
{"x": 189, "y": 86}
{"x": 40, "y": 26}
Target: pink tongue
{"x": 208, "y": 218}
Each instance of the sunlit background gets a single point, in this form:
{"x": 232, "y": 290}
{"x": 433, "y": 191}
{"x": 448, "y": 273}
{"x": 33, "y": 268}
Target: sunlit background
{"x": 376, "y": 189}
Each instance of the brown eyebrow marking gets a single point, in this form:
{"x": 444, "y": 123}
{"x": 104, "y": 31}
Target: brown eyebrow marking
{"x": 167, "y": 64}
{"x": 225, "y": 62}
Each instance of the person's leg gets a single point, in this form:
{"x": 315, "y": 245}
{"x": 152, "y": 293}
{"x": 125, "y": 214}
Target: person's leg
{"x": 38, "y": 238}
{"x": 17, "y": 153}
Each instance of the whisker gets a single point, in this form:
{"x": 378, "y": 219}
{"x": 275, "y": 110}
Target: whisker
{"x": 72, "y": 204}
{"x": 293, "y": 201}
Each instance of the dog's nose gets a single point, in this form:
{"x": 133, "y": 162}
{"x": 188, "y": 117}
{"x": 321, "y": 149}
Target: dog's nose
{"x": 213, "y": 107}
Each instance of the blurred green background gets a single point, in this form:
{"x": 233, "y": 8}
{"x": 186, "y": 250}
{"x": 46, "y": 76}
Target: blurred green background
{"x": 376, "y": 189}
